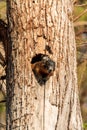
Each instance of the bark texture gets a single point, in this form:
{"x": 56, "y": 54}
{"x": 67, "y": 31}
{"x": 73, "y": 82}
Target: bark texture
{"x": 35, "y": 26}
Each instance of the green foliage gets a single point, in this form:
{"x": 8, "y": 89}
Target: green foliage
{"x": 84, "y": 83}
{"x": 2, "y": 107}
{"x": 78, "y": 11}
{"x": 82, "y": 56}
{"x": 2, "y": 5}
{"x": 2, "y": 9}
{"x": 82, "y": 1}
{"x": 85, "y": 126}
{"x": 81, "y": 70}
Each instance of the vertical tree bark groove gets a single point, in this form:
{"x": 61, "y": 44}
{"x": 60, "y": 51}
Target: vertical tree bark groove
{"x": 33, "y": 25}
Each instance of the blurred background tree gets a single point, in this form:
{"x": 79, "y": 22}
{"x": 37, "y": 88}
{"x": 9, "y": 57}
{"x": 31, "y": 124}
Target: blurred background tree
{"x": 80, "y": 23}
{"x": 2, "y": 69}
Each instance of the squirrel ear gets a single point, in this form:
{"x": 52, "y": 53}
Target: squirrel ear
{"x": 36, "y": 58}
{"x": 39, "y": 57}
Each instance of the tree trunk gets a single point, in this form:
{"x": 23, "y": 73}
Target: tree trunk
{"x": 45, "y": 27}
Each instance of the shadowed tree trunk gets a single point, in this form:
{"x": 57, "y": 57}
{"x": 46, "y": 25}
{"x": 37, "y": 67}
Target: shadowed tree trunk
{"x": 46, "y": 27}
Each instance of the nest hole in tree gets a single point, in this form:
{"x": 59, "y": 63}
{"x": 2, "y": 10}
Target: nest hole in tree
{"x": 43, "y": 67}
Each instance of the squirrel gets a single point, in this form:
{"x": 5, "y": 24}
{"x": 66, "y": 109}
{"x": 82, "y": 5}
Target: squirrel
{"x": 43, "y": 67}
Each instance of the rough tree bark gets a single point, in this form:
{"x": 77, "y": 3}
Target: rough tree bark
{"x": 38, "y": 26}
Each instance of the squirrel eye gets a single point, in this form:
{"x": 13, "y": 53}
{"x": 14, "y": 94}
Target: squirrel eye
{"x": 45, "y": 66}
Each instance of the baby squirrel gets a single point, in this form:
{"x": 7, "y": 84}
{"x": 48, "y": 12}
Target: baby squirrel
{"x": 43, "y": 67}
